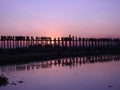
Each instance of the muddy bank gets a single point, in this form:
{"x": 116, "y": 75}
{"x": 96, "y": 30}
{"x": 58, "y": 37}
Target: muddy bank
{"x": 3, "y": 80}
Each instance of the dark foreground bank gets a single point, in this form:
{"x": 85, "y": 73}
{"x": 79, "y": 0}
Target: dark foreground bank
{"x": 9, "y": 58}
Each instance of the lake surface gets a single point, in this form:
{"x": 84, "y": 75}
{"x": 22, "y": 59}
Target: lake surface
{"x": 79, "y": 73}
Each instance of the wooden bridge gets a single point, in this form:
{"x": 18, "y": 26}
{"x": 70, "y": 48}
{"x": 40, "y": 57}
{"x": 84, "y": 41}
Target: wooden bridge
{"x": 12, "y": 42}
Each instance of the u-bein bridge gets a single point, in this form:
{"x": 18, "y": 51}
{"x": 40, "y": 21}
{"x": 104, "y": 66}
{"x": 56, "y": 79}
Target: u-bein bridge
{"x": 13, "y": 42}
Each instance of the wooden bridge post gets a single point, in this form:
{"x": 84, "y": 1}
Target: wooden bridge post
{"x": 11, "y": 38}
{"x": 13, "y": 42}
{"x": 83, "y": 42}
{"x": 79, "y": 43}
{"x": 89, "y": 42}
{"x": 111, "y": 42}
{"x": 65, "y": 43}
{"x": 50, "y": 42}
{"x": 107, "y": 42}
{"x": 35, "y": 41}
{"x": 27, "y": 41}
{"x": 69, "y": 40}
{"x": 73, "y": 41}
{"x": 99, "y": 43}
{"x": 4, "y": 42}
{"x": 76, "y": 46}
{"x": 20, "y": 41}
{"x": 96, "y": 42}
{"x": 7, "y": 43}
{"x": 31, "y": 42}
{"x": 119, "y": 43}
{"x": 93, "y": 43}
{"x": 62, "y": 42}
{"x": 86, "y": 41}
{"x": 58, "y": 42}
{"x": 54, "y": 42}
{"x": 24, "y": 42}
{"x": 0, "y": 41}
{"x": 76, "y": 41}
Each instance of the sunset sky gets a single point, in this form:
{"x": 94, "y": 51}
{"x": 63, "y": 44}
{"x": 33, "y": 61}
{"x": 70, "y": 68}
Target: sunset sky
{"x": 84, "y": 18}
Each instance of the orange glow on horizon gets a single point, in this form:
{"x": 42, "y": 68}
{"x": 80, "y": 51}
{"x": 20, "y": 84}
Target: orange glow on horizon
{"x": 53, "y": 33}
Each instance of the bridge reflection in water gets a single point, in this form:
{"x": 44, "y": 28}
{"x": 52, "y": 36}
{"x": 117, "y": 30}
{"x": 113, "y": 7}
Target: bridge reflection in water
{"x": 65, "y": 62}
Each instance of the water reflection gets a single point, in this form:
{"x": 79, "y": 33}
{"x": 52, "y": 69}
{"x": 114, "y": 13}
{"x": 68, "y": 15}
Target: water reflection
{"x": 65, "y": 62}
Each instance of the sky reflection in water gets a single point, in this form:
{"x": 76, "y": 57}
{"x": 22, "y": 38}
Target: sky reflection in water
{"x": 85, "y": 73}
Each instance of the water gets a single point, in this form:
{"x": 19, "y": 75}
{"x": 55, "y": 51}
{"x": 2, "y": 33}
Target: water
{"x": 79, "y": 73}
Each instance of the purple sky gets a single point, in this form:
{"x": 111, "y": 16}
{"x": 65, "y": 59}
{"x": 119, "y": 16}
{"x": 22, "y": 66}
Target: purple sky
{"x": 85, "y": 18}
